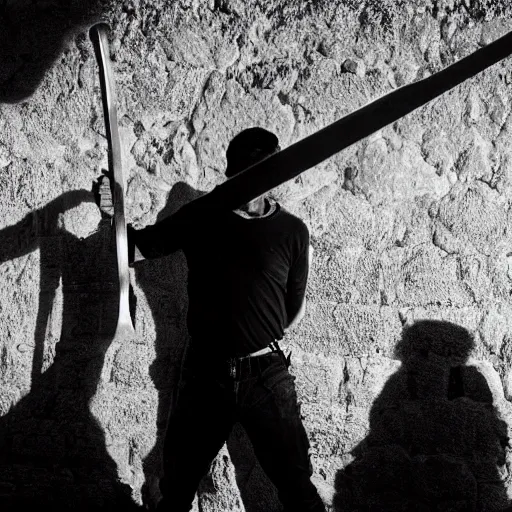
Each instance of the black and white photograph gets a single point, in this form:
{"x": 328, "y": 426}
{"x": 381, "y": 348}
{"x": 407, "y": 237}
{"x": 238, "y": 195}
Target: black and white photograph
{"x": 256, "y": 255}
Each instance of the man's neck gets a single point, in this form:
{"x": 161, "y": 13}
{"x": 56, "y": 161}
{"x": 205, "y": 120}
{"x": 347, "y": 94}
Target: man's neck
{"x": 255, "y": 208}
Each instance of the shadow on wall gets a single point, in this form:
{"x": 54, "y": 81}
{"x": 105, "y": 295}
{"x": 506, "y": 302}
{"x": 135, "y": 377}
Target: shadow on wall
{"x": 435, "y": 441}
{"x": 163, "y": 282}
{"x": 52, "y": 450}
{"x": 32, "y": 37}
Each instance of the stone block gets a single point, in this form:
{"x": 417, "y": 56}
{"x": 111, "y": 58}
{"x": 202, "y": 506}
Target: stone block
{"x": 408, "y": 275}
{"x": 354, "y": 274}
{"x": 341, "y": 329}
{"x": 388, "y": 176}
{"x": 464, "y": 212}
{"x": 354, "y": 66}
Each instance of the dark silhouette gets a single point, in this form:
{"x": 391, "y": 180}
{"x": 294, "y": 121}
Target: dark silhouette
{"x": 435, "y": 441}
{"x": 163, "y": 282}
{"x": 247, "y": 274}
{"x": 33, "y": 35}
{"x": 52, "y": 449}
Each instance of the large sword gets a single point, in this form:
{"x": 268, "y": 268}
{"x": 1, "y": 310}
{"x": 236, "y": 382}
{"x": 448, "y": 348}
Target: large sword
{"x": 99, "y": 37}
{"x": 310, "y": 151}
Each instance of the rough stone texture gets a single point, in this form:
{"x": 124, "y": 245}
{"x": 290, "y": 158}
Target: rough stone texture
{"x": 409, "y": 224}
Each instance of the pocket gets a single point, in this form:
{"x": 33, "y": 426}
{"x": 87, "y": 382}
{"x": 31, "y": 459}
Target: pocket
{"x": 279, "y": 385}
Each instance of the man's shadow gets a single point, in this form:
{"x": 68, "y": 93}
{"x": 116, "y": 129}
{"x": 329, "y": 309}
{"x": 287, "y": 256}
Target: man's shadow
{"x": 32, "y": 37}
{"x": 164, "y": 284}
{"x": 436, "y": 442}
{"x": 52, "y": 450}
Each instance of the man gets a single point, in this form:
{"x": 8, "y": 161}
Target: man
{"x": 248, "y": 270}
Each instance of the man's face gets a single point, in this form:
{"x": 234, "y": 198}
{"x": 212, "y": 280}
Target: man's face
{"x": 253, "y": 157}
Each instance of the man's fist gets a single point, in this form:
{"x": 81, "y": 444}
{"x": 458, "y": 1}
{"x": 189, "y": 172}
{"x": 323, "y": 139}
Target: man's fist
{"x": 103, "y": 194}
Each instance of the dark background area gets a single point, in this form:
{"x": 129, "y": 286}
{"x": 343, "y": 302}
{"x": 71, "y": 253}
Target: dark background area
{"x": 33, "y": 36}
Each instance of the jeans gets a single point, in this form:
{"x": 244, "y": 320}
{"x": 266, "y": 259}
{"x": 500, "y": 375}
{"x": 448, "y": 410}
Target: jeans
{"x": 258, "y": 392}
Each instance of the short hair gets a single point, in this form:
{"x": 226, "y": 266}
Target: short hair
{"x": 248, "y": 147}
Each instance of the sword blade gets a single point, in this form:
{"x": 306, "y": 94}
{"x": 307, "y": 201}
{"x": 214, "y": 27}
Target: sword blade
{"x": 314, "y": 149}
{"x": 99, "y": 37}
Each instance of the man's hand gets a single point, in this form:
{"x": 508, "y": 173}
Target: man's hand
{"x": 298, "y": 317}
{"x": 102, "y": 191}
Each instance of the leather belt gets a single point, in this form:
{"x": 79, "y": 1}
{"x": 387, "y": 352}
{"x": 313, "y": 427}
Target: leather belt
{"x": 238, "y": 365}
{"x": 261, "y": 352}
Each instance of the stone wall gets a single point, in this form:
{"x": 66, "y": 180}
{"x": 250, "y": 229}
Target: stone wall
{"x": 403, "y": 359}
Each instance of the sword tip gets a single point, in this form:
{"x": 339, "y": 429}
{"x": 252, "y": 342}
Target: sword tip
{"x": 98, "y": 29}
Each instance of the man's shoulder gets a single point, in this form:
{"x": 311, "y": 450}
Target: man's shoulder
{"x": 292, "y": 220}
{"x": 294, "y": 226}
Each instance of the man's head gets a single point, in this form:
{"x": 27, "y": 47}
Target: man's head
{"x": 249, "y": 147}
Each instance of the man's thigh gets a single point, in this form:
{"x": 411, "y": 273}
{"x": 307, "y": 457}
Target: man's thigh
{"x": 199, "y": 424}
{"x": 202, "y": 414}
{"x": 271, "y": 417}
{"x": 270, "y": 414}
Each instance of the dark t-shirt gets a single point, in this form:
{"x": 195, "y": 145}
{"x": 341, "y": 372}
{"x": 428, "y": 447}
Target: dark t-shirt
{"x": 247, "y": 276}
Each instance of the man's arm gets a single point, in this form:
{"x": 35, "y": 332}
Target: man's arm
{"x": 296, "y": 287}
{"x": 298, "y": 317}
{"x": 155, "y": 241}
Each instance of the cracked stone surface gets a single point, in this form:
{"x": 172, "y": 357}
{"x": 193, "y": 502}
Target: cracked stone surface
{"x": 410, "y": 225}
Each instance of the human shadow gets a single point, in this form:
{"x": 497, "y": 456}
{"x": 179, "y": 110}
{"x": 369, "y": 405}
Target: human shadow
{"x": 52, "y": 449}
{"x": 436, "y": 442}
{"x": 33, "y": 35}
{"x": 164, "y": 284}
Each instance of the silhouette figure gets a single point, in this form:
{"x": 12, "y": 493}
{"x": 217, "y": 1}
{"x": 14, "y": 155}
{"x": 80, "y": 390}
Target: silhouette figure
{"x": 163, "y": 282}
{"x": 52, "y": 448}
{"x": 248, "y": 271}
{"x": 435, "y": 441}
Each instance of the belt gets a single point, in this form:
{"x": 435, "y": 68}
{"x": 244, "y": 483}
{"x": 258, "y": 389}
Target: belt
{"x": 262, "y": 352}
{"x": 237, "y": 365}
